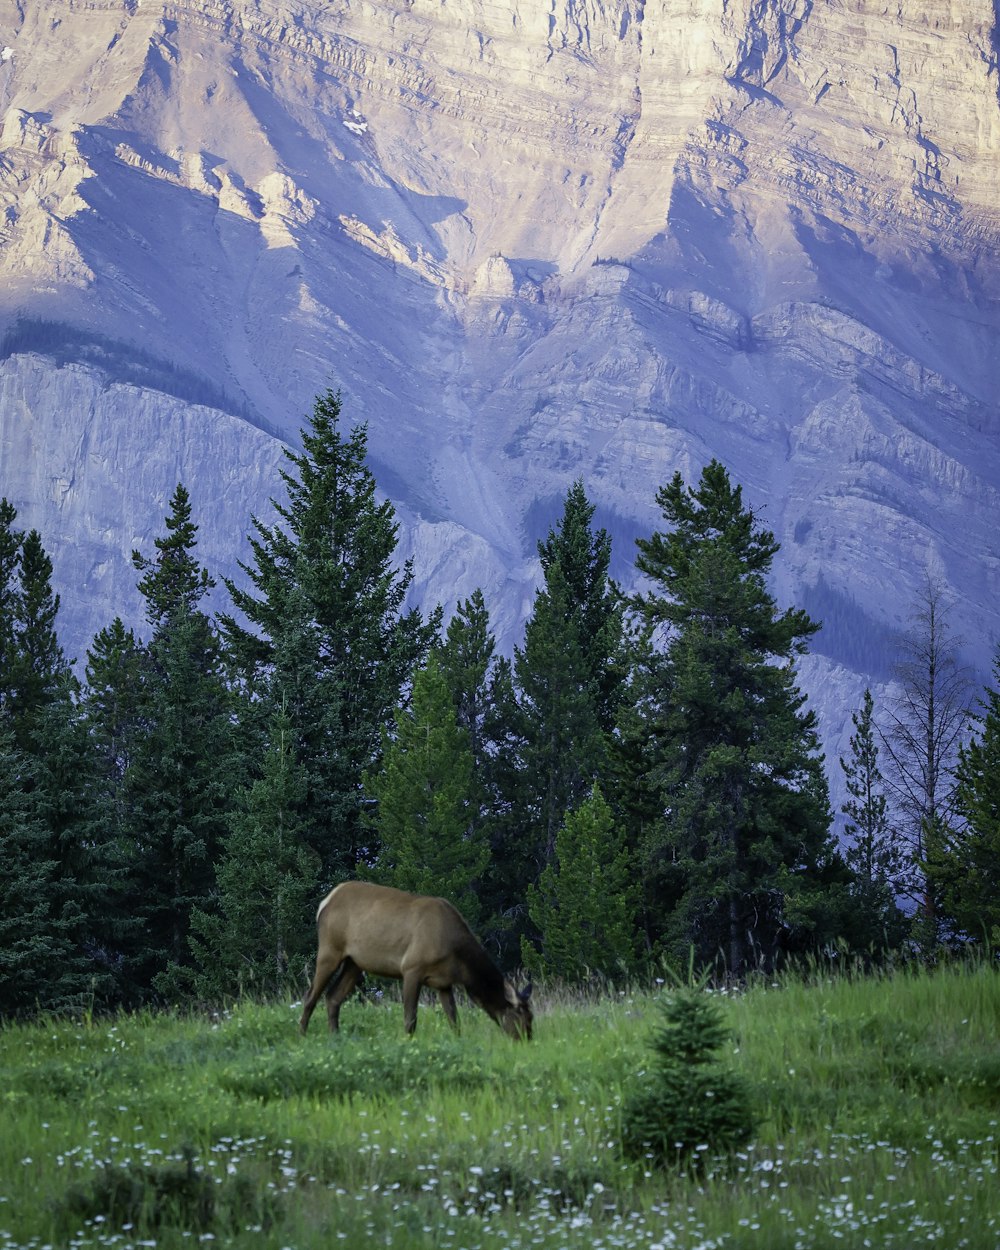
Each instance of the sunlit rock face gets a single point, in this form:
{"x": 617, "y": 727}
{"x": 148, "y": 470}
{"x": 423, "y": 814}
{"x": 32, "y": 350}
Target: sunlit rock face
{"x": 530, "y": 243}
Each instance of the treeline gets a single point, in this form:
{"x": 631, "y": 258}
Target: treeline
{"x": 642, "y": 779}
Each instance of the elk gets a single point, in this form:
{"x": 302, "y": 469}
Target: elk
{"x": 412, "y": 938}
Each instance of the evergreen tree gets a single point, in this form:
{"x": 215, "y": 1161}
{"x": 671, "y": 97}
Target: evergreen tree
{"x": 328, "y": 637}
{"x": 179, "y": 780}
{"x": 10, "y": 562}
{"x": 566, "y": 676}
{"x": 115, "y": 728}
{"x": 430, "y": 844}
{"x": 111, "y": 704}
{"x": 40, "y": 672}
{"x": 738, "y": 860}
{"x": 513, "y": 861}
{"x": 873, "y": 853}
{"x": 173, "y": 583}
{"x": 580, "y": 559}
{"x": 84, "y": 896}
{"x": 585, "y": 904}
{"x": 55, "y": 776}
{"x": 965, "y": 872}
{"x": 465, "y": 659}
{"x": 690, "y": 1110}
{"x": 266, "y": 881}
{"x": 32, "y": 940}
{"x": 34, "y": 671}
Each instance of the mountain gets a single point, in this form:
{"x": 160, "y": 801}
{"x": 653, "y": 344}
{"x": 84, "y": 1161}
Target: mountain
{"x": 529, "y": 242}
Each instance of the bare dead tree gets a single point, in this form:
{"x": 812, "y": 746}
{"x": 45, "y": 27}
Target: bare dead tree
{"x": 925, "y": 727}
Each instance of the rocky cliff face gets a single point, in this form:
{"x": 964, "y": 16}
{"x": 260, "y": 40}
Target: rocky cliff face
{"x": 530, "y": 242}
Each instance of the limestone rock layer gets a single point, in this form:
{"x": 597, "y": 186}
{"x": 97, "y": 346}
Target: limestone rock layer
{"x": 530, "y": 241}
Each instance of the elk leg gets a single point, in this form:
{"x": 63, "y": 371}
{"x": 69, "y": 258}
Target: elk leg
{"x": 411, "y": 996}
{"x": 341, "y": 987}
{"x": 325, "y": 968}
{"x": 447, "y": 998}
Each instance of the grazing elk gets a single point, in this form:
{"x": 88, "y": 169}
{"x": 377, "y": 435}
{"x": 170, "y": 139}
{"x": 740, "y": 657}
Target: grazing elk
{"x": 414, "y": 939}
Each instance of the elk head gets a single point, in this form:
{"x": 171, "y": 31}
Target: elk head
{"x": 516, "y": 1017}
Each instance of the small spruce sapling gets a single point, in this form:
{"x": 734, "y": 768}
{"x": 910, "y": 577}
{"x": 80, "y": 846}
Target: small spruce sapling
{"x": 691, "y": 1109}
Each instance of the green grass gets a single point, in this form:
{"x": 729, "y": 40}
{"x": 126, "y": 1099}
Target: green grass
{"x": 880, "y": 1103}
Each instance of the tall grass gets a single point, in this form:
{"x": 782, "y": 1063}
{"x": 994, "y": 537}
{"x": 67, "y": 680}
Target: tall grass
{"x": 880, "y": 1102}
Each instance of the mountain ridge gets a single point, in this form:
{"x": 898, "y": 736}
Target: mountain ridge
{"x": 598, "y": 240}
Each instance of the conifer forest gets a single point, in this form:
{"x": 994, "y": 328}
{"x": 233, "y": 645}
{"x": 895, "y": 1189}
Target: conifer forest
{"x": 639, "y": 785}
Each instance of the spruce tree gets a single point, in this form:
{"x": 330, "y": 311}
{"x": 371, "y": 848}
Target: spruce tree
{"x": 327, "y": 636}
{"x": 256, "y": 940}
{"x": 585, "y": 904}
{"x": 38, "y": 705}
{"x": 32, "y": 939}
{"x": 115, "y": 727}
{"x": 85, "y": 886}
{"x": 173, "y": 583}
{"x": 965, "y": 871}
{"x": 581, "y": 558}
{"x": 429, "y": 842}
{"x": 111, "y": 704}
{"x": 872, "y": 852}
{"x": 465, "y": 659}
{"x": 179, "y": 780}
{"x": 738, "y": 857}
{"x": 689, "y": 1111}
{"x": 513, "y": 843}
{"x": 34, "y": 672}
{"x": 10, "y": 561}
{"x": 41, "y": 673}
{"x": 566, "y": 675}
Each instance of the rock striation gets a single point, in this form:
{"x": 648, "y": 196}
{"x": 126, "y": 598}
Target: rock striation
{"x": 530, "y": 242}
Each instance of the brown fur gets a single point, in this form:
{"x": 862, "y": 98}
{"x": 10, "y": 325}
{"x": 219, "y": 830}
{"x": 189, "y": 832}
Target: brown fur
{"x": 412, "y": 938}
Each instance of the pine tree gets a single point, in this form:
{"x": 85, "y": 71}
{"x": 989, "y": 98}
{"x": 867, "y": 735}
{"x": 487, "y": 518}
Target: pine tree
{"x": 873, "y": 853}
{"x": 328, "y": 636}
{"x": 965, "y": 872}
{"x": 585, "y": 904}
{"x": 430, "y": 844}
{"x": 266, "y": 881}
{"x": 738, "y": 857}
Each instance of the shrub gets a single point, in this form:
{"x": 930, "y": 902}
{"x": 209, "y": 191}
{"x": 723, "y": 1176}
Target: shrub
{"x": 689, "y": 1109}
{"x": 175, "y": 1194}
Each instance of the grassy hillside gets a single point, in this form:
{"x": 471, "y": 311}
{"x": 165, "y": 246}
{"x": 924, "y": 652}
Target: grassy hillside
{"x": 880, "y": 1101}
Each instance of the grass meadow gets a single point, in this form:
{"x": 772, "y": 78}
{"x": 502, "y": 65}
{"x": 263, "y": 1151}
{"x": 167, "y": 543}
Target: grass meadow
{"x": 879, "y": 1100}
